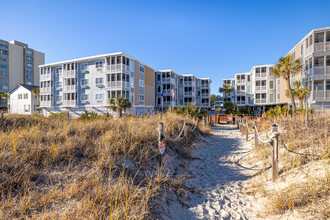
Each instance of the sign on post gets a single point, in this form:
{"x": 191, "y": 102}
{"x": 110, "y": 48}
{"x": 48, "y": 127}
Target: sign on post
{"x": 162, "y": 147}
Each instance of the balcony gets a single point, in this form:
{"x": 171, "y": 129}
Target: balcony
{"x": 46, "y": 90}
{"x": 188, "y": 83}
{"x": 260, "y": 101}
{"x": 114, "y": 68}
{"x": 328, "y": 45}
{"x": 69, "y": 73}
{"x": 46, "y": 76}
{"x": 168, "y": 80}
{"x": 167, "y": 103}
{"x": 188, "y": 93}
{"x": 205, "y": 86}
{"x": 319, "y": 47}
{"x": 69, "y": 103}
{"x": 261, "y": 75}
{"x": 45, "y": 103}
{"x": 318, "y": 94}
{"x": 100, "y": 85}
{"x": 241, "y": 102}
{"x": 84, "y": 85}
{"x": 260, "y": 88}
{"x": 118, "y": 85}
{"x": 240, "y": 81}
{"x": 319, "y": 70}
{"x": 70, "y": 88}
{"x": 240, "y": 92}
{"x": 205, "y": 95}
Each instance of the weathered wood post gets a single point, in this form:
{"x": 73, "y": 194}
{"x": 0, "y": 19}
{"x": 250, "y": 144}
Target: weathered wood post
{"x": 203, "y": 121}
{"x": 1, "y": 120}
{"x": 247, "y": 131}
{"x": 255, "y": 135}
{"x": 275, "y": 151}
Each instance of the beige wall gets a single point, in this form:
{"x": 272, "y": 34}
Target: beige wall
{"x": 39, "y": 59}
{"x": 136, "y": 82}
{"x": 149, "y": 91}
{"x": 16, "y": 65}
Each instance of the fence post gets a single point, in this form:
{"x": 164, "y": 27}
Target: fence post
{"x": 255, "y": 135}
{"x": 1, "y": 120}
{"x": 160, "y": 139}
{"x": 247, "y": 130}
{"x": 275, "y": 151}
{"x": 203, "y": 121}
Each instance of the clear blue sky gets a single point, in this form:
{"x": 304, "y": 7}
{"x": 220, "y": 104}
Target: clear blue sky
{"x": 207, "y": 38}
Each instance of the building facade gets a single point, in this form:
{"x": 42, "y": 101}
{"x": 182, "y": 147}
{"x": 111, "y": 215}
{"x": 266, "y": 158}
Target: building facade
{"x": 87, "y": 84}
{"x": 18, "y": 64}
{"x": 230, "y": 96}
{"x": 260, "y": 88}
{"x": 175, "y": 90}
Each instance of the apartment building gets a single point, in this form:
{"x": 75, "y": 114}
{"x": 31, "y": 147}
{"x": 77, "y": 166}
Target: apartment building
{"x": 18, "y": 65}
{"x": 231, "y": 95}
{"x": 314, "y": 52}
{"x": 187, "y": 88}
{"x": 87, "y": 84}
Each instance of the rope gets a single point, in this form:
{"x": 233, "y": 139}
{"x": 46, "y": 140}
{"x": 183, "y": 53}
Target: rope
{"x": 304, "y": 154}
{"x": 247, "y": 125}
{"x": 177, "y": 138}
{"x": 263, "y": 141}
{"x": 195, "y": 125}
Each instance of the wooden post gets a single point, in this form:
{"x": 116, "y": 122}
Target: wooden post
{"x": 275, "y": 151}
{"x": 247, "y": 130}
{"x": 1, "y": 120}
{"x": 255, "y": 135}
{"x": 160, "y": 139}
{"x": 203, "y": 121}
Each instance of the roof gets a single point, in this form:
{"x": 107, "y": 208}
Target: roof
{"x": 28, "y": 87}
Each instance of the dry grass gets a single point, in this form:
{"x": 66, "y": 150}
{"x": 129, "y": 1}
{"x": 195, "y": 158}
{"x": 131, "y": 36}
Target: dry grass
{"x": 75, "y": 169}
{"x": 304, "y": 181}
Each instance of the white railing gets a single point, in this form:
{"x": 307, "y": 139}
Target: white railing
{"x": 319, "y": 70}
{"x": 328, "y": 70}
{"x": 261, "y": 75}
{"x": 188, "y": 83}
{"x": 205, "y": 85}
{"x": 204, "y": 95}
{"x": 240, "y": 92}
{"x": 45, "y": 90}
{"x": 69, "y": 73}
{"x": 167, "y": 103}
{"x": 188, "y": 93}
{"x": 328, "y": 45}
{"x": 45, "y": 103}
{"x": 318, "y": 94}
{"x": 240, "y": 102}
{"x": 327, "y": 94}
{"x": 69, "y": 102}
{"x": 260, "y": 101}
{"x": 118, "y": 85}
{"x": 168, "y": 80}
{"x": 318, "y": 47}
{"x": 260, "y": 88}
{"x": 70, "y": 88}
{"x": 241, "y": 81}
{"x": 46, "y": 76}
{"x": 118, "y": 68}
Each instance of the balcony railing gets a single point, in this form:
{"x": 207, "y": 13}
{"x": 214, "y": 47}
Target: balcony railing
{"x": 261, "y": 75}
{"x": 68, "y": 103}
{"x": 240, "y": 102}
{"x": 319, "y": 70}
{"x": 118, "y": 85}
{"x": 188, "y": 93}
{"x": 260, "y": 88}
{"x": 188, "y": 83}
{"x": 328, "y": 45}
{"x": 260, "y": 101}
{"x": 318, "y": 94}
{"x": 319, "y": 47}
{"x": 69, "y": 88}
{"x": 118, "y": 68}
{"x": 45, "y": 103}
{"x": 45, "y": 90}
{"x": 241, "y": 81}
{"x": 327, "y": 94}
{"x": 168, "y": 80}
{"x": 69, "y": 73}
{"x": 205, "y": 95}
{"x": 205, "y": 85}
{"x": 46, "y": 76}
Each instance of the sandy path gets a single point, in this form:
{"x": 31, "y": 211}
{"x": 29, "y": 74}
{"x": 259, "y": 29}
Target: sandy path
{"x": 218, "y": 181}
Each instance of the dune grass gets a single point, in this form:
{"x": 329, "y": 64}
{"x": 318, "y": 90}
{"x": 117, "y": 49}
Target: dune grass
{"x": 84, "y": 169}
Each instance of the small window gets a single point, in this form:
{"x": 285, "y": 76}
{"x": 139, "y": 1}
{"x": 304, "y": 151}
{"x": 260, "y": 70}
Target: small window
{"x": 26, "y": 96}
{"x": 19, "y": 96}
{"x": 29, "y": 71}
{"x": 99, "y": 80}
{"x": 26, "y": 108}
{"x": 141, "y": 97}
{"x": 271, "y": 84}
{"x": 141, "y": 83}
{"x": 29, "y": 77}
{"x": 99, "y": 96}
{"x": 29, "y": 83}
{"x": 29, "y": 52}
{"x": 29, "y": 65}
{"x": 29, "y": 58}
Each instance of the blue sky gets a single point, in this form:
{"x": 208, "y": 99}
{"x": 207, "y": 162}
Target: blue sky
{"x": 207, "y": 38}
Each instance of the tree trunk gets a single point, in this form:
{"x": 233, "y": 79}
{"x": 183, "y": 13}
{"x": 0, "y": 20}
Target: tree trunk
{"x": 301, "y": 102}
{"x": 291, "y": 95}
{"x": 225, "y": 96}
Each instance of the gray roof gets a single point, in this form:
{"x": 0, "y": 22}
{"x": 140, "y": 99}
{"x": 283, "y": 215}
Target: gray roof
{"x": 28, "y": 87}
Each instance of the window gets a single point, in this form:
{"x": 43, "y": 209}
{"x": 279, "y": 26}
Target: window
{"x": 3, "y": 101}
{"x": 4, "y": 73}
{"x": 84, "y": 97}
{"x": 99, "y": 96}
{"x": 263, "y": 69}
{"x": 141, "y": 83}
{"x": 28, "y": 52}
{"x": 29, "y": 83}
{"x": 3, "y": 45}
{"x": 83, "y": 66}
{"x": 141, "y": 97}
{"x": 5, "y": 52}
{"x": 248, "y": 78}
{"x": 4, "y": 66}
{"x": 19, "y": 96}
{"x": 132, "y": 66}
{"x": 98, "y": 80}
{"x": 29, "y": 71}
{"x": 141, "y": 69}
{"x": 29, "y": 64}
{"x": 158, "y": 77}
{"x": 271, "y": 97}
{"x": 4, "y": 59}
{"x": 29, "y": 77}
{"x": 3, "y": 87}
{"x": 84, "y": 82}
{"x": 26, "y": 108}
{"x": 99, "y": 64}
{"x": 271, "y": 84}
{"x": 29, "y": 58}
{"x": 26, "y": 96}
{"x": 4, "y": 80}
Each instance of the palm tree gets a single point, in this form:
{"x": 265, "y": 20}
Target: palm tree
{"x": 284, "y": 68}
{"x": 299, "y": 93}
{"x": 36, "y": 91}
{"x": 226, "y": 89}
{"x": 119, "y": 104}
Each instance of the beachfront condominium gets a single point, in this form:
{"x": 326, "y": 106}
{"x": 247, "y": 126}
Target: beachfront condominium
{"x": 175, "y": 90}
{"x": 230, "y": 83}
{"x": 18, "y": 64}
{"x": 314, "y": 52}
{"x": 87, "y": 84}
